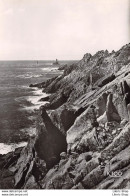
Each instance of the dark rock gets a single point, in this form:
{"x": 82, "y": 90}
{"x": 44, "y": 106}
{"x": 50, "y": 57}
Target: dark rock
{"x": 24, "y": 163}
{"x": 125, "y": 87}
{"x": 128, "y": 108}
{"x": 43, "y": 84}
{"x": 101, "y": 104}
{"x": 111, "y": 112}
{"x": 83, "y": 124}
{"x": 127, "y": 73}
{"x": 50, "y": 142}
{"x": 78, "y": 178}
{"x": 31, "y": 183}
{"x": 63, "y": 155}
{"x": 6, "y": 180}
{"x": 62, "y": 67}
{"x": 69, "y": 69}
{"x": 65, "y": 116}
{"x": 87, "y": 57}
{"x": 93, "y": 178}
{"x": 60, "y": 100}
{"x": 105, "y": 80}
{"x": 45, "y": 98}
{"x": 119, "y": 143}
{"x": 54, "y": 85}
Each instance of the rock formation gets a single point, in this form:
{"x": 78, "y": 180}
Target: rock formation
{"x": 83, "y": 136}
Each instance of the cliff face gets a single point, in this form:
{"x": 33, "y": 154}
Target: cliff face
{"x": 84, "y": 141}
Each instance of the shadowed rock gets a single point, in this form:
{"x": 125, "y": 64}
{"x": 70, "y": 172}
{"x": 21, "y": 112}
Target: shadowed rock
{"x": 126, "y": 88}
{"x": 83, "y": 124}
{"x": 111, "y": 112}
{"x": 101, "y": 104}
{"x": 128, "y": 108}
{"x": 105, "y": 80}
{"x": 45, "y": 98}
{"x": 50, "y": 141}
{"x": 65, "y": 116}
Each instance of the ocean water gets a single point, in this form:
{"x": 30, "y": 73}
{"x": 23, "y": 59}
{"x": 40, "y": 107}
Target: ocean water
{"x": 18, "y": 102}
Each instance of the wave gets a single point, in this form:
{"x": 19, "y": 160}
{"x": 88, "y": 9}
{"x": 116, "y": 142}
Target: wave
{"x": 48, "y": 69}
{"x": 37, "y": 95}
{"x": 29, "y": 75}
{"x": 45, "y": 70}
{"x": 32, "y": 103}
{"x": 5, "y": 148}
{"x": 35, "y": 107}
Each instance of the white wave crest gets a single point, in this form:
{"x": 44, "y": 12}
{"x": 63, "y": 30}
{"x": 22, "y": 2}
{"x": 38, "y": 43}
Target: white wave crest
{"x": 5, "y": 148}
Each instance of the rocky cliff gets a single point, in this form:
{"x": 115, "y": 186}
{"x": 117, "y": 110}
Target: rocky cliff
{"x": 82, "y": 136}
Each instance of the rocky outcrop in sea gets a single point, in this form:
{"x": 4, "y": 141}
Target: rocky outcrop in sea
{"x": 82, "y": 136}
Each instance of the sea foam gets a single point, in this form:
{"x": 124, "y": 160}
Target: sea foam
{"x": 5, "y": 148}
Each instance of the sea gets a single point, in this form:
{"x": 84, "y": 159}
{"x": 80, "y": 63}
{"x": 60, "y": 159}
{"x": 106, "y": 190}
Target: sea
{"x": 18, "y": 102}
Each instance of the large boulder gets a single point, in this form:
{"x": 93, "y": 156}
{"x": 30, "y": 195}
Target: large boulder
{"x": 64, "y": 117}
{"x": 50, "y": 142}
{"x": 83, "y": 125}
{"x": 111, "y": 111}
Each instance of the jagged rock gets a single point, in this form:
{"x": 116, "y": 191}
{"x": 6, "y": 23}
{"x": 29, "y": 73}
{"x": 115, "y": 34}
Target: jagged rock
{"x": 65, "y": 116}
{"x": 124, "y": 122}
{"x": 118, "y": 144}
{"x": 6, "y": 162}
{"x": 93, "y": 178}
{"x": 79, "y": 177}
{"x": 128, "y": 108}
{"x": 123, "y": 182}
{"x": 121, "y": 160}
{"x": 112, "y": 126}
{"x": 87, "y": 57}
{"x": 78, "y": 186}
{"x": 101, "y": 104}
{"x": 23, "y": 164}
{"x": 54, "y": 85}
{"x": 91, "y": 104}
{"x": 68, "y": 174}
{"x": 106, "y": 79}
{"x": 106, "y": 185}
{"x": 84, "y": 156}
{"x": 50, "y": 142}
{"x": 102, "y": 119}
{"x": 43, "y": 84}
{"x": 57, "y": 101}
{"x": 6, "y": 179}
{"x": 125, "y": 87}
{"x": 69, "y": 69}
{"x": 62, "y": 67}
{"x": 83, "y": 124}
{"x": 45, "y": 98}
{"x": 118, "y": 165}
{"x": 63, "y": 155}
{"x": 31, "y": 183}
{"x": 111, "y": 112}
{"x": 113, "y": 132}
{"x": 27, "y": 165}
{"x": 59, "y": 179}
{"x": 39, "y": 169}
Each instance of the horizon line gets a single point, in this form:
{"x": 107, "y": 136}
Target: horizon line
{"x": 39, "y": 60}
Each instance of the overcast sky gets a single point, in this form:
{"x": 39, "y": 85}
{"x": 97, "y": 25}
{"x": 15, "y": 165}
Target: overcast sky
{"x": 63, "y": 29}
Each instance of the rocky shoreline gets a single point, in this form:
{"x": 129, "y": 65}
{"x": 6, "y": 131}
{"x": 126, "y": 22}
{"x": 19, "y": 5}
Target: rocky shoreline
{"x": 82, "y": 136}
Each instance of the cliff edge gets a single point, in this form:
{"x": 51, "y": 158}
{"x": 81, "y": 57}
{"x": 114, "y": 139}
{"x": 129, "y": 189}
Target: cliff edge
{"x": 82, "y": 136}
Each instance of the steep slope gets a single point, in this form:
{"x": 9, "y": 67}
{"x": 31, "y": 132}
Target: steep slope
{"x": 83, "y": 136}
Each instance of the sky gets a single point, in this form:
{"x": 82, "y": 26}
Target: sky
{"x": 63, "y": 29}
